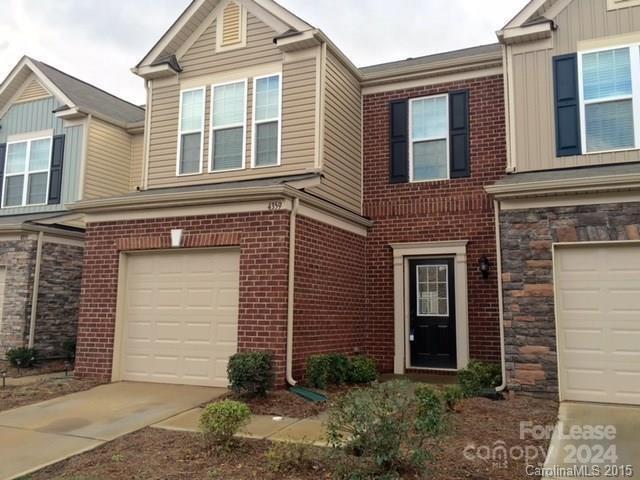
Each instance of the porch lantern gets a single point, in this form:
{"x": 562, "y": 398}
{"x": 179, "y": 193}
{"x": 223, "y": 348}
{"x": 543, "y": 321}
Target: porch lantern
{"x": 485, "y": 267}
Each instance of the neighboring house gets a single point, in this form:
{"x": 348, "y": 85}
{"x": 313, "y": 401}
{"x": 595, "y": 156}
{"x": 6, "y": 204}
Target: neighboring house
{"x": 258, "y": 227}
{"x": 570, "y": 209}
{"x": 61, "y": 140}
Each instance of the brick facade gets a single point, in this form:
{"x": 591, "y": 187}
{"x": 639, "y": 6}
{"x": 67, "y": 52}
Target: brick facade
{"x": 527, "y": 237}
{"x": 58, "y": 295}
{"x": 329, "y": 292}
{"x": 434, "y": 211}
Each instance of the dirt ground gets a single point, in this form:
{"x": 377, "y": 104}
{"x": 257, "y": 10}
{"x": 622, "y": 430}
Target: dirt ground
{"x": 17, "y": 396}
{"x": 38, "y": 369}
{"x": 162, "y": 455}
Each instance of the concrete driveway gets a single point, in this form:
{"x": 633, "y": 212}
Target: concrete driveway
{"x": 34, "y": 436}
{"x": 614, "y": 453}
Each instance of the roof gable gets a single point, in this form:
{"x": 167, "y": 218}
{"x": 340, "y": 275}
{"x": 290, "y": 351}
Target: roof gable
{"x": 199, "y": 15}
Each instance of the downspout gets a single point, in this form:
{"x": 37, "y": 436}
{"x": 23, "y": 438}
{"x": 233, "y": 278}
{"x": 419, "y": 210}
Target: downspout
{"x": 291, "y": 289}
{"x": 36, "y": 287}
{"x": 496, "y": 211}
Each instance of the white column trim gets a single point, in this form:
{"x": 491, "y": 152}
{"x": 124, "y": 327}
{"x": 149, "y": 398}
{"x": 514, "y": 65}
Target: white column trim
{"x": 402, "y": 253}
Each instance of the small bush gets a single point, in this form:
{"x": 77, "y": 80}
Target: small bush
{"x": 479, "y": 376}
{"x": 220, "y": 421}
{"x": 387, "y": 424}
{"x": 362, "y": 370}
{"x": 288, "y": 457}
{"x": 69, "y": 350}
{"x": 251, "y": 373}
{"x": 452, "y": 395}
{"x": 324, "y": 370}
{"x": 22, "y": 357}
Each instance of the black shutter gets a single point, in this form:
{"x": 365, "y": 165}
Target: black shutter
{"x": 567, "y": 105}
{"x": 459, "y": 134}
{"x": 55, "y": 177}
{"x": 3, "y": 156}
{"x": 399, "y": 171}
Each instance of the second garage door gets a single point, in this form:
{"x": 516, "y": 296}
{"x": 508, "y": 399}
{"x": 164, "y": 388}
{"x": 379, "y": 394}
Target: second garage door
{"x": 598, "y": 322}
{"x": 180, "y": 317}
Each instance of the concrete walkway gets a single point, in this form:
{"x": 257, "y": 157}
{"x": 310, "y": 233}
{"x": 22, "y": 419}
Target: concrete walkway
{"x": 261, "y": 427}
{"x": 34, "y": 436}
{"x": 567, "y": 453}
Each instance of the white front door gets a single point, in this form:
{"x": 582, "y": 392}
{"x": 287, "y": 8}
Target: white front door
{"x": 598, "y": 322}
{"x": 180, "y": 313}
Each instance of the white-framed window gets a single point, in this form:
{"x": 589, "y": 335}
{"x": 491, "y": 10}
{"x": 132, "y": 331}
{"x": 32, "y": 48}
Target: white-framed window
{"x": 429, "y": 138}
{"x": 267, "y": 122}
{"x": 26, "y": 173}
{"x": 432, "y": 290}
{"x": 191, "y": 131}
{"x": 610, "y": 99}
{"x": 227, "y": 138}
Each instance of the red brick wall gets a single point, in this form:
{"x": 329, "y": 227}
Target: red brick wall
{"x": 434, "y": 211}
{"x": 329, "y": 291}
{"x": 264, "y": 247}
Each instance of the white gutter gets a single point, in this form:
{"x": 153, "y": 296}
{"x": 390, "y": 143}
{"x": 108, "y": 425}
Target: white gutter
{"x": 36, "y": 287}
{"x": 291, "y": 289}
{"x": 503, "y": 361}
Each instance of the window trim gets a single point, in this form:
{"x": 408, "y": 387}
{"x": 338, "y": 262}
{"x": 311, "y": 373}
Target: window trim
{"x": 412, "y": 141}
{"x": 634, "y": 59}
{"x": 254, "y": 122}
{"x": 243, "y": 125}
{"x": 201, "y": 131}
{"x": 26, "y": 173}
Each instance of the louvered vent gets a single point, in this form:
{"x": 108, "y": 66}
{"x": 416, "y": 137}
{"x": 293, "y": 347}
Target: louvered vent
{"x": 231, "y": 25}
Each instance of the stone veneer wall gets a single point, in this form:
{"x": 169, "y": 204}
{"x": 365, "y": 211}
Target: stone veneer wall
{"x": 17, "y": 257}
{"x": 58, "y": 295}
{"x": 527, "y": 237}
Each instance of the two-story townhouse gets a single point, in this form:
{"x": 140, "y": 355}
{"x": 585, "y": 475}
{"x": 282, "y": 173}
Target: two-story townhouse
{"x": 259, "y": 225}
{"x": 61, "y": 140}
{"x": 570, "y": 209}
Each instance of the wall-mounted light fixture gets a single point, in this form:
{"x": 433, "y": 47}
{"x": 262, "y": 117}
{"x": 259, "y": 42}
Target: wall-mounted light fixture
{"x": 485, "y": 267}
{"x": 176, "y": 238}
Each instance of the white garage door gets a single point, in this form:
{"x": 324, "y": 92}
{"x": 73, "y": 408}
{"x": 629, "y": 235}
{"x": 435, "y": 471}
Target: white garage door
{"x": 598, "y": 320}
{"x": 180, "y": 317}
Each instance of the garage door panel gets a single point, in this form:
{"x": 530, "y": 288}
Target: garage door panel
{"x": 598, "y": 322}
{"x": 181, "y": 315}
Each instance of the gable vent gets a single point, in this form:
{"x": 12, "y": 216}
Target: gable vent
{"x": 232, "y": 25}
{"x": 33, "y": 90}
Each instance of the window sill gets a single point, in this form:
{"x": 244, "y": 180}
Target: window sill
{"x": 619, "y": 150}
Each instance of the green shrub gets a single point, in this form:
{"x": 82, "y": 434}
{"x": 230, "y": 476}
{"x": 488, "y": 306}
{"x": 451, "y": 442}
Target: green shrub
{"x": 330, "y": 369}
{"x": 388, "y": 424}
{"x": 362, "y": 370}
{"x": 22, "y": 357}
{"x": 251, "y": 373}
{"x": 289, "y": 457}
{"x": 220, "y": 421}
{"x": 69, "y": 350}
{"x": 452, "y": 395}
{"x": 479, "y": 376}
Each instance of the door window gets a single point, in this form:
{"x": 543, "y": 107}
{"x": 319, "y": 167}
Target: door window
{"x": 432, "y": 290}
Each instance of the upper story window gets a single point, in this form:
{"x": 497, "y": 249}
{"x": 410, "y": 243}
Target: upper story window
{"x": 266, "y": 121}
{"x": 228, "y": 126}
{"x": 610, "y": 113}
{"x": 190, "y": 138}
{"x": 27, "y": 169}
{"x": 429, "y": 138}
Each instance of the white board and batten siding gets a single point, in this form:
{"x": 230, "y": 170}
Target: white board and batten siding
{"x": 598, "y": 322}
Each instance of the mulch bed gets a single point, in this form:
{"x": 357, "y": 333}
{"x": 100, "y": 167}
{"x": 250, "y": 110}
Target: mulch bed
{"x": 50, "y": 366}
{"x": 163, "y": 455}
{"x": 18, "y": 396}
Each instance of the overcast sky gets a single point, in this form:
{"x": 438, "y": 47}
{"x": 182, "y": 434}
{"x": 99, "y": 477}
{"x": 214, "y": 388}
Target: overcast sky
{"x": 100, "y": 40}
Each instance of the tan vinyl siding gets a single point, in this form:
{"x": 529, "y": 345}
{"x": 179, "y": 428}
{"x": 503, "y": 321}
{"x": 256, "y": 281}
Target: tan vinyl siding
{"x": 137, "y": 161}
{"x": 533, "y": 110}
{"x": 341, "y": 164}
{"x": 33, "y": 90}
{"x": 108, "y": 165}
{"x": 201, "y": 60}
